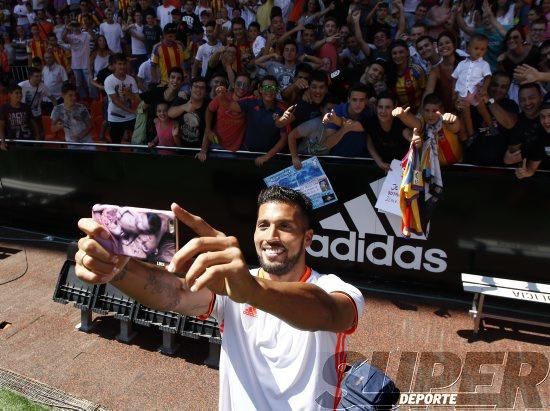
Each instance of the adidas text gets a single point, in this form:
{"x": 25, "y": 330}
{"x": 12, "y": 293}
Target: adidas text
{"x": 351, "y": 248}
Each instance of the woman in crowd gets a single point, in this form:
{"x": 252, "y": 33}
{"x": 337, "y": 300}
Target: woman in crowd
{"x": 99, "y": 58}
{"x": 440, "y": 79}
{"x": 517, "y": 53}
{"x": 388, "y": 138}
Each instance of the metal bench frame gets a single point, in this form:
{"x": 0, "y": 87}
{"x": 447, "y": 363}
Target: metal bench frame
{"x": 499, "y": 287}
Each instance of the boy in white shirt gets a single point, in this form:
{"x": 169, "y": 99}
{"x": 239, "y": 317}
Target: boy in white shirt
{"x": 473, "y": 74}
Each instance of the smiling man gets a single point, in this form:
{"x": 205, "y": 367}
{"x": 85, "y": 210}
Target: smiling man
{"x": 284, "y": 325}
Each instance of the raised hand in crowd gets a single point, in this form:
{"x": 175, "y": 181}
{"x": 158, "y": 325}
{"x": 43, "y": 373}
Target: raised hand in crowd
{"x": 416, "y": 139}
{"x": 527, "y": 74}
{"x": 524, "y": 171}
{"x": 286, "y": 118}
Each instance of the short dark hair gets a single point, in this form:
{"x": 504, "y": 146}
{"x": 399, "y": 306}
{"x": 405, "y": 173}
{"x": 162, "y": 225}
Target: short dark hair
{"x": 303, "y": 68}
{"x": 33, "y": 70}
{"x": 255, "y": 24}
{"x": 176, "y": 69}
{"x": 433, "y": 99}
{"x": 530, "y": 85}
{"x": 422, "y": 38}
{"x": 278, "y": 194}
{"x": 358, "y": 87}
{"x": 119, "y": 57}
{"x": 481, "y": 37}
{"x": 318, "y": 75}
{"x": 198, "y": 79}
{"x": 210, "y": 23}
{"x": 67, "y": 86}
{"x": 269, "y": 77}
{"x": 238, "y": 20}
{"x": 291, "y": 42}
{"x": 386, "y": 96}
{"x": 276, "y": 11}
{"x": 419, "y": 24}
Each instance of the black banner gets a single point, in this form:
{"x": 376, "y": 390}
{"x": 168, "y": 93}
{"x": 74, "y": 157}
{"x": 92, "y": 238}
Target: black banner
{"x": 487, "y": 221}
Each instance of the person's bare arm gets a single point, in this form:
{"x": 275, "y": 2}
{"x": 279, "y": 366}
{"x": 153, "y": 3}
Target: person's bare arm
{"x": 528, "y": 168}
{"x": 292, "y": 147}
{"x": 201, "y": 156}
{"x": 432, "y": 82}
{"x": 402, "y": 24}
{"x": 261, "y": 61}
{"x": 357, "y": 32}
{"x": 504, "y": 118}
{"x": 120, "y": 104}
{"x": 334, "y": 136}
{"x": 97, "y": 85}
{"x": 409, "y": 119}
{"x": 461, "y": 23}
{"x": 376, "y": 156}
{"x": 277, "y": 148}
{"x": 136, "y": 35}
{"x": 527, "y": 74}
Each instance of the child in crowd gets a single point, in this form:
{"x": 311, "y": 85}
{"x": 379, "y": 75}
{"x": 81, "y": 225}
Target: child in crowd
{"x": 473, "y": 74}
{"x": 445, "y": 128}
{"x": 313, "y": 133}
{"x": 167, "y": 130}
{"x": 73, "y": 119}
{"x": 16, "y": 121}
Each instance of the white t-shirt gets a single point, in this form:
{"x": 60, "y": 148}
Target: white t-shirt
{"x": 164, "y": 14}
{"x": 265, "y": 363}
{"x": 23, "y": 11}
{"x": 33, "y": 96}
{"x": 115, "y": 86}
{"x": 54, "y": 77}
{"x": 138, "y": 46}
{"x": 80, "y": 50}
{"x": 204, "y": 53}
{"x": 75, "y": 121}
{"x": 469, "y": 74}
{"x": 147, "y": 75}
{"x": 113, "y": 33}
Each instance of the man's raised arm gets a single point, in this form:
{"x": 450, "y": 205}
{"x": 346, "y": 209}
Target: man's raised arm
{"x": 150, "y": 285}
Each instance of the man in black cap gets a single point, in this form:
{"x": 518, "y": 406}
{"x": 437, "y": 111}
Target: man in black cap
{"x": 168, "y": 53}
{"x": 181, "y": 27}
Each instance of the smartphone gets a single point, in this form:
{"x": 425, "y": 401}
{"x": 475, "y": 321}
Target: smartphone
{"x": 142, "y": 233}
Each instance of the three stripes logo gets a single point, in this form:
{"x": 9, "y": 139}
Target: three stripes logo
{"x": 369, "y": 236}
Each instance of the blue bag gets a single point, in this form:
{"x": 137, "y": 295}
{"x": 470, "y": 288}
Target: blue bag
{"x": 367, "y": 388}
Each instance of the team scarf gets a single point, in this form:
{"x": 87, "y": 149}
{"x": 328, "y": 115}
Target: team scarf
{"x": 421, "y": 185}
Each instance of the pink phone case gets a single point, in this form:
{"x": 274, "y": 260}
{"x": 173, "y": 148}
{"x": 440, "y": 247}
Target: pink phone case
{"x": 142, "y": 233}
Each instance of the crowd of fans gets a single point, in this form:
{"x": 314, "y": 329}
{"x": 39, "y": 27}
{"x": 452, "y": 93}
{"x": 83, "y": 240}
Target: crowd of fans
{"x": 317, "y": 77}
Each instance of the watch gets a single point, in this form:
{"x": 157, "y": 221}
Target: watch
{"x": 491, "y": 101}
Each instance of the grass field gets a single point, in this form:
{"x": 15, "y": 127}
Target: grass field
{"x": 9, "y": 401}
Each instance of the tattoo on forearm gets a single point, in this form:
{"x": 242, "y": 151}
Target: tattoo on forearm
{"x": 158, "y": 285}
{"x": 121, "y": 274}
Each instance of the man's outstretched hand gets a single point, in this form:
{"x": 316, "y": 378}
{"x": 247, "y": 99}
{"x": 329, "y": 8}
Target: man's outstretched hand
{"x": 219, "y": 264}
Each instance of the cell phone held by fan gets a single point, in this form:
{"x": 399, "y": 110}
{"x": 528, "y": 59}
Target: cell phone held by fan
{"x": 142, "y": 233}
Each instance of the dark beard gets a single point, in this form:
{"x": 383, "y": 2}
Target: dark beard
{"x": 279, "y": 269}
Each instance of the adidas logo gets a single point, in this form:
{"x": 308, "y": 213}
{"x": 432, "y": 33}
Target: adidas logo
{"x": 250, "y": 311}
{"x": 367, "y": 224}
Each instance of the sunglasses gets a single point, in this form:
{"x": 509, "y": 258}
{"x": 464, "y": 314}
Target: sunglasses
{"x": 268, "y": 88}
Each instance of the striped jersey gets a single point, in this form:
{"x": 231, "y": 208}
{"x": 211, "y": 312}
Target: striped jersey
{"x": 410, "y": 86}
{"x": 266, "y": 363}
{"x": 36, "y": 48}
{"x": 61, "y": 57}
{"x": 168, "y": 56}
